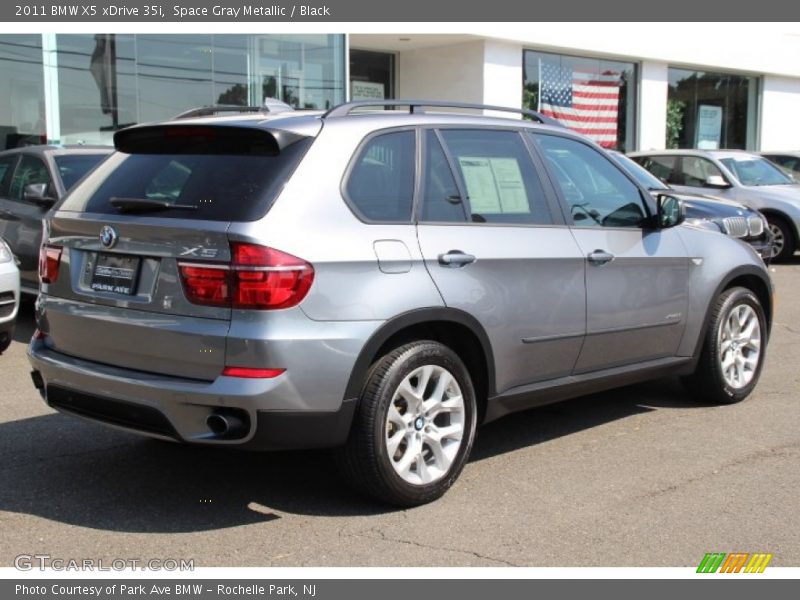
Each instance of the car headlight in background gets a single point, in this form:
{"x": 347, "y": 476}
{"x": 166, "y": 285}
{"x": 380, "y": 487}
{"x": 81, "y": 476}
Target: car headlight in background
{"x": 706, "y": 224}
{"x": 5, "y": 253}
{"x": 757, "y": 225}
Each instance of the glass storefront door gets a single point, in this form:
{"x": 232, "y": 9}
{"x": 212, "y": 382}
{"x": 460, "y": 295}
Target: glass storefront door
{"x": 711, "y": 110}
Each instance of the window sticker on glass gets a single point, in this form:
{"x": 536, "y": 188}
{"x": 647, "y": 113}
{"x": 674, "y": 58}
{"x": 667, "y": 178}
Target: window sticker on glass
{"x": 494, "y": 185}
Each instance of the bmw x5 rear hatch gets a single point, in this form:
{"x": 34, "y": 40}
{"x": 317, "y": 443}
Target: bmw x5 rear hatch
{"x": 127, "y": 249}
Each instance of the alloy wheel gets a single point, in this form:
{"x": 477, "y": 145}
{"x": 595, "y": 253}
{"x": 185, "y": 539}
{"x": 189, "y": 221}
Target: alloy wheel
{"x": 425, "y": 425}
{"x": 739, "y": 345}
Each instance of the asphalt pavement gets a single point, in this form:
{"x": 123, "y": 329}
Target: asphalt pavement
{"x": 641, "y": 476}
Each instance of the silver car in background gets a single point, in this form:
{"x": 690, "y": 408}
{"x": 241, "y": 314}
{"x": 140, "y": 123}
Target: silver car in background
{"x": 716, "y": 214}
{"x": 377, "y": 281}
{"x": 739, "y": 176}
{"x": 789, "y": 161}
{"x": 9, "y": 295}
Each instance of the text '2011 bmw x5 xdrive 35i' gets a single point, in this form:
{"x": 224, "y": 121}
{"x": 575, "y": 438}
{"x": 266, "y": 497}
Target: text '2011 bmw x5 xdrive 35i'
{"x": 377, "y": 281}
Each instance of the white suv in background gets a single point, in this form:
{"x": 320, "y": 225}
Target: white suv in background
{"x": 9, "y": 295}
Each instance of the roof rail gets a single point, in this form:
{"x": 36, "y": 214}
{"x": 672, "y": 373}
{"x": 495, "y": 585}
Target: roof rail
{"x": 271, "y": 105}
{"x": 416, "y": 106}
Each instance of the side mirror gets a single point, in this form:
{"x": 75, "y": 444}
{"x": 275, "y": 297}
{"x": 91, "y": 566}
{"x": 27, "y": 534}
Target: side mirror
{"x": 37, "y": 193}
{"x": 716, "y": 181}
{"x": 670, "y": 211}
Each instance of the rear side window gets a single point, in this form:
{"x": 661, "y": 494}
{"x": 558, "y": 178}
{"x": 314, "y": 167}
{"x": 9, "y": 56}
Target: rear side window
{"x": 500, "y": 180}
{"x": 209, "y": 178}
{"x": 381, "y": 182}
{"x": 72, "y": 168}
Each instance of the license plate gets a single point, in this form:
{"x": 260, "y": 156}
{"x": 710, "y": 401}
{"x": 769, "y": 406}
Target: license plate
{"x": 116, "y": 273}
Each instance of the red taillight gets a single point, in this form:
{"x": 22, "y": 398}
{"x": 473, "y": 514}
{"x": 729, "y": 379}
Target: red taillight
{"x": 49, "y": 261}
{"x": 206, "y": 285}
{"x": 249, "y": 373}
{"x": 258, "y": 278}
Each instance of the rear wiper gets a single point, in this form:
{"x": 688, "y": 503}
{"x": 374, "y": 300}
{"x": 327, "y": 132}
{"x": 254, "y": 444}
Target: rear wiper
{"x": 146, "y": 205}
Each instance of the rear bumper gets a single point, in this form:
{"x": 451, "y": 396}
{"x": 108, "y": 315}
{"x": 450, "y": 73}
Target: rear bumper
{"x": 303, "y": 407}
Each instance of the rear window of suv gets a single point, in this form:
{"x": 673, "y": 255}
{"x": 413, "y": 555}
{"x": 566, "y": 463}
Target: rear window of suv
{"x": 225, "y": 179}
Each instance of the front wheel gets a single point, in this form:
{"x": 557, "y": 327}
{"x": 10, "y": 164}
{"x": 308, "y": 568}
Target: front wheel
{"x": 733, "y": 351}
{"x": 415, "y": 425}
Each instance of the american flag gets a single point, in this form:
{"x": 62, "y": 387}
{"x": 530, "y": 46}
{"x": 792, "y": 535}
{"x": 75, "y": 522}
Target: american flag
{"x": 585, "y": 102}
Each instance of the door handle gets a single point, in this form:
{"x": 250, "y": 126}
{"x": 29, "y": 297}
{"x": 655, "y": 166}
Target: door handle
{"x": 456, "y": 258}
{"x": 600, "y": 257}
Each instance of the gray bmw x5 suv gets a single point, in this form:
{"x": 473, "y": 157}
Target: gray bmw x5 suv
{"x": 377, "y": 281}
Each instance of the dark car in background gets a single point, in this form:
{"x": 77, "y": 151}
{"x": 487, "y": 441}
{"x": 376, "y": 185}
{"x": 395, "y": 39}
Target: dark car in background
{"x": 716, "y": 214}
{"x": 32, "y": 180}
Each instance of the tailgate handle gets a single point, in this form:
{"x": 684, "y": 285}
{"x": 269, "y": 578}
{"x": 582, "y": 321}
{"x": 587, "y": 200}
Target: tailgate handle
{"x": 456, "y": 258}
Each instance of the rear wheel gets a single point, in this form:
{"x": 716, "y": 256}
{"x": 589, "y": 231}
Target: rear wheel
{"x": 783, "y": 239}
{"x": 5, "y": 339}
{"x": 414, "y": 427}
{"x": 733, "y": 351}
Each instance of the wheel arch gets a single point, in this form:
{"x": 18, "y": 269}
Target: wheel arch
{"x": 747, "y": 276}
{"x": 767, "y": 212}
{"x": 455, "y": 328}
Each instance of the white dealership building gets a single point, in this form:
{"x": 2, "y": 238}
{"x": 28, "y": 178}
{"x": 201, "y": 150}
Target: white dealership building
{"x": 637, "y": 86}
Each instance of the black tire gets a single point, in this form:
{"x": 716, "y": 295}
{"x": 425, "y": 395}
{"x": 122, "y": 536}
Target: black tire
{"x": 782, "y": 230}
{"x": 365, "y": 461}
{"x": 708, "y": 383}
{"x": 5, "y": 339}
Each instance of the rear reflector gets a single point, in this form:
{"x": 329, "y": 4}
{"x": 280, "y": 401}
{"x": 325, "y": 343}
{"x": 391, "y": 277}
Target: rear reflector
{"x": 258, "y": 278}
{"x": 249, "y": 373}
{"x": 49, "y": 261}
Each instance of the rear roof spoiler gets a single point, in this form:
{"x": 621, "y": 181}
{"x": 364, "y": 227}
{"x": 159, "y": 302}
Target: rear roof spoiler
{"x": 204, "y": 138}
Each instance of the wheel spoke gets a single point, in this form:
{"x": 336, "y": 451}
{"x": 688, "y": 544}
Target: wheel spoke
{"x": 393, "y": 442}
{"x": 440, "y": 459}
{"x": 409, "y": 394}
{"x": 423, "y": 472}
{"x": 394, "y": 417}
{"x": 413, "y": 449}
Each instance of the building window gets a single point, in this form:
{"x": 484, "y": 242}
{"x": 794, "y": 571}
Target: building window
{"x": 711, "y": 110}
{"x": 592, "y": 96}
{"x": 371, "y": 75}
{"x": 92, "y": 85}
{"x": 22, "y": 110}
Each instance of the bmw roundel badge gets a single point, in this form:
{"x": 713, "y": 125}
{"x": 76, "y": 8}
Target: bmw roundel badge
{"x": 108, "y": 236}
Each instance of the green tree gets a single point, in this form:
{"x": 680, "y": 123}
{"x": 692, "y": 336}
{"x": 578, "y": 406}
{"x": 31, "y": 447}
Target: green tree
{"x": 675, "y": 110}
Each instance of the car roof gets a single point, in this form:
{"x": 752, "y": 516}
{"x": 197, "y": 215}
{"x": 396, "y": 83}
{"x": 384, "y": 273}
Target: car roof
{"x": 58, "y": 150}
{"x": 309, "y": 121}
{"x": 696, "y": 152}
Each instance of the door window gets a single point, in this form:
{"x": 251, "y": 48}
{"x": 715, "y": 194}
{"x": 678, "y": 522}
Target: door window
{"x": 696, "y": 170}
{"x": 381, "y": 184}
{"x": 596, "y": 191}
{"x": 441, "y": 199}
{"x": 498, "y": 175}
{"x": 30, "y": 170}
